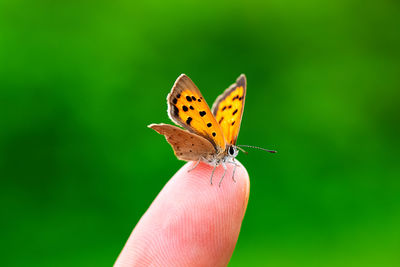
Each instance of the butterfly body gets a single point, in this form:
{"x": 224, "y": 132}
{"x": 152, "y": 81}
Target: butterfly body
{"x": 208, "y": 136}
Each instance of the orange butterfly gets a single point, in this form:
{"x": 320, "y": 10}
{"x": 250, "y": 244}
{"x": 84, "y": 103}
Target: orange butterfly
{"x": 209, "y": 136}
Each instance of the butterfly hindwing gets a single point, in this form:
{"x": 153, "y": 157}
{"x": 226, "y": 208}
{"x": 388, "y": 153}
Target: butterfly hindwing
{"x": 187, "y": 146}
{"x": 228, "y": 109}
{"x": 187, "y": 107}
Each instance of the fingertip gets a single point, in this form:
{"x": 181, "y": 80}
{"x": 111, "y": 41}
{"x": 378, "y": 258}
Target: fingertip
{"x": 229, "y": 194}
{"x": 191, "y": 222}
{"x": 235, "y": 183}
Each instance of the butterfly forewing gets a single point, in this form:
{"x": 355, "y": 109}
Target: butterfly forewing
{"x": 228, "y": 109}
{"x": 187, "y": 107}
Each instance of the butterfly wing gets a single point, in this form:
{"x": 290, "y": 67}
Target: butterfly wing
{"x": 228, "y": 109}
{"x": 187, "y": 146}
{"x": 187, "y": 107}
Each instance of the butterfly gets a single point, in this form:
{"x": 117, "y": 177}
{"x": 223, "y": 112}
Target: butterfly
{"x": 208, "y": 135}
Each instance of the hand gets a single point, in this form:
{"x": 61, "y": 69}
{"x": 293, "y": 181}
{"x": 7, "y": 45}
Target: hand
{"x": 191, "y": 222}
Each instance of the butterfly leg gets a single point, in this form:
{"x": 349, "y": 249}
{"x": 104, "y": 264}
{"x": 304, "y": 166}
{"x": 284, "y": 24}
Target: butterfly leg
{"x": 234, "y": 169}
{"x": 233, "y": 174}
{"x": 194, "y": 167}
{"x": 223, "y": 175}
{"x": 212, "y": 174}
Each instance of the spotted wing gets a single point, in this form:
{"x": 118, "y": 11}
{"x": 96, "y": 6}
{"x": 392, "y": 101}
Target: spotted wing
{"x": 187, "y": 107}
{"x": 228, "y": 109}
{"x": 187, "y": 146}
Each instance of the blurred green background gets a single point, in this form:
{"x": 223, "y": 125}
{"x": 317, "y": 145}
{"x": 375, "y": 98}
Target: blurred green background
{"x": 81, "y": 80}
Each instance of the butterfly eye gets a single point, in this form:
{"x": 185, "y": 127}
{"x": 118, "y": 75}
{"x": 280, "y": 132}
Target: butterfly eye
{"x": 231, "y": 151}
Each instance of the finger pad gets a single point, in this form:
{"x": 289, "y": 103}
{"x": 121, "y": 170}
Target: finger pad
{"x": 191, "y": 222}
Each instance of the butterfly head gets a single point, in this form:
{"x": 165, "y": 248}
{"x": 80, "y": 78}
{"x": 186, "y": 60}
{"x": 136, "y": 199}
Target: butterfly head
{"x": 232, "y": 151}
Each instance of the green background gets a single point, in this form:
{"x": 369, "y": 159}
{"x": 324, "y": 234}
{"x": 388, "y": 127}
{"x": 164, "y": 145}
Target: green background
{"x": 81, "y": 80}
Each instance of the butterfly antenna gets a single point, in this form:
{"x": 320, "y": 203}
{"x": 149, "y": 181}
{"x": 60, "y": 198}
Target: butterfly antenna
{"x": 256, "y": 147}
{"x": 241, "y": 149}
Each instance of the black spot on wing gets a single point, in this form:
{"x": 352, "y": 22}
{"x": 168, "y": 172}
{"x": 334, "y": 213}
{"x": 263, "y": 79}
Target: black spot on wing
{"x": 188, "y": 98}
{"x": 233, "y": 123}
{"x": 189, "y": 120}
{"x": 194, "y": 99}
{"x": 209, "y": 124}
{"x": 214, "y": 134}
{"x": 223, "y": 108}
{"x": 178, "y": 95}
{"x": 230, "y": 106}
{"x": 191, "y": 108}
{"x": 220, "y": 120}
{"x": 199, "y": 100}
{"x": 235, "y": 112}
{"x": 174, "y": 100}
{"x": 202, "y": 113}
{"x": 185, "y": 108}
{"x": 175, "y": 110}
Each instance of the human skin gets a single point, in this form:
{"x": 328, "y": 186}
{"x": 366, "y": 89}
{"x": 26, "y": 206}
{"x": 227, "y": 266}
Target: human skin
{"x": 191, "y": 222}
